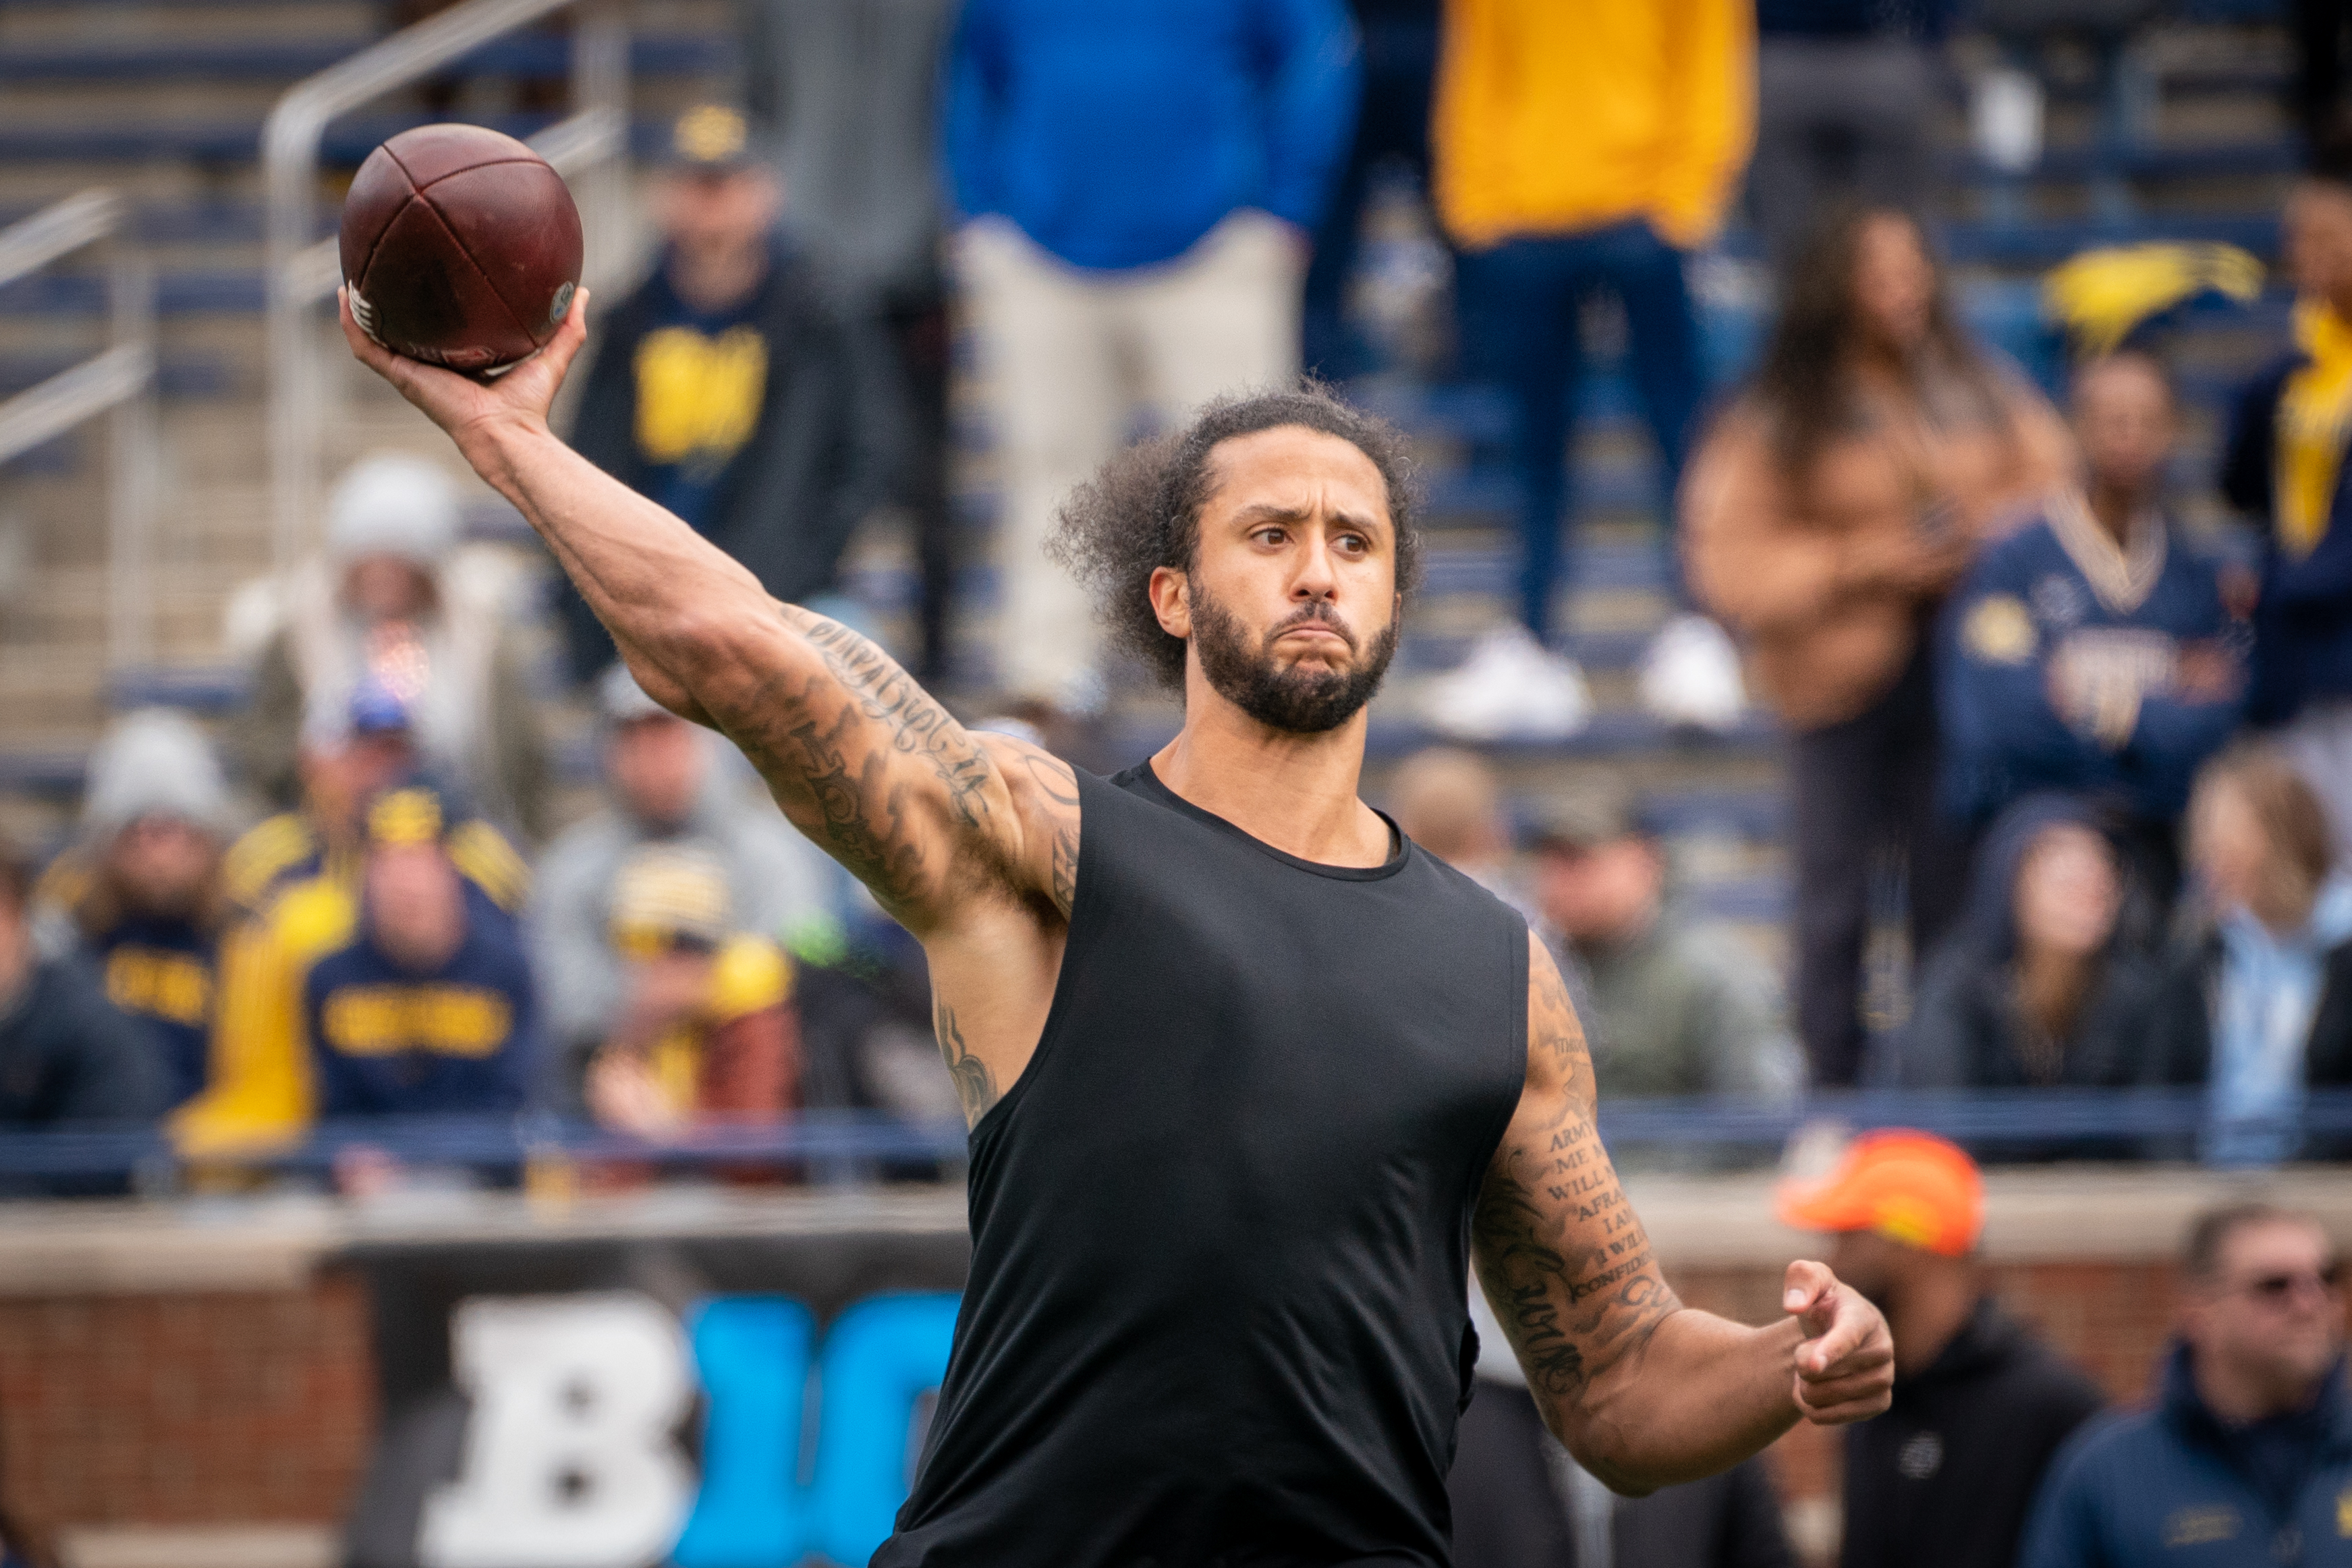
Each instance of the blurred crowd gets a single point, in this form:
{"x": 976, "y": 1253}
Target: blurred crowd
{"x": 2109, "y": 757}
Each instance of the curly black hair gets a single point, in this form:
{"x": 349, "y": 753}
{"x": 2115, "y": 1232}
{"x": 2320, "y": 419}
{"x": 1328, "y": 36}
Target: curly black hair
{"x": 1142, "y": 510}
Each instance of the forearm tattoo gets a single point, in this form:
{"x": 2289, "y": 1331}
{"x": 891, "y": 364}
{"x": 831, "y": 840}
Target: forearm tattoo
{"x": 1563, "y": 1258}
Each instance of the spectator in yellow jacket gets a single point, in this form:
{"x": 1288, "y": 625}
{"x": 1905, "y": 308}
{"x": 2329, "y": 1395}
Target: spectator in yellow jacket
{"x": 261, "y": 1089}
{"x": 1584, "y": 148}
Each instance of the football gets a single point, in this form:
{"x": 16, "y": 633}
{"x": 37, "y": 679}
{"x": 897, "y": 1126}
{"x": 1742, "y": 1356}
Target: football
{"x": 460, "y": 247}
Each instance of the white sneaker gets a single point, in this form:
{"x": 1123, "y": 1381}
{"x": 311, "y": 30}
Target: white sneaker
{"x": 1508, "y": 689}
{"x": 1690, "y": 676}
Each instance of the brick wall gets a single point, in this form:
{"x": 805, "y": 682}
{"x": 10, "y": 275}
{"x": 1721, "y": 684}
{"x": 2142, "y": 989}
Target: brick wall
{"x": 220, "y": 1407}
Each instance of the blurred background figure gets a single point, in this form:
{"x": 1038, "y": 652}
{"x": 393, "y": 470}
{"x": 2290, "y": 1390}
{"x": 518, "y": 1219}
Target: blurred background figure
{"x": 665, "y": 784}
{"x": 2246, "y": 1456}
{"x": 2037, "y": 985}
{"x": 1670, "y": 1006}
{"x": 1581, "y": 148}
{"x": 1135, "y": 188}
{"x": 2095, "y": 43}
{"x": 1845, "y": 92}
{"x": 143, "y": 893}
{"x": 301, "y": 897}
{"x": 394, "y": 605}
{"x": 2091, "y": 650}
{"x": 1982, "y": 1406}
{"x": 847, "y": 94}
{"x": 339, "y": 769}
{"x": 1450, "y": 803}
{"x": 1520, "y": 1500}
{"x": 67, "y": 1058}
{"x": 428, "y": 1006}
{"x": 2284, "y": 470}
{"x": 2259, "y": 1004}
{"x": 705, "y": 1028}
{"x": 1399, "y": 40}
{"x": 729, "y": 388}
{"x": 1830, "y": 510}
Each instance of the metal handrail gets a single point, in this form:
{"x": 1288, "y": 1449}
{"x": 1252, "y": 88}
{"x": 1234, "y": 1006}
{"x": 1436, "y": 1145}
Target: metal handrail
{"x": 301, "y": 272}
{"x": 120, "y": 381}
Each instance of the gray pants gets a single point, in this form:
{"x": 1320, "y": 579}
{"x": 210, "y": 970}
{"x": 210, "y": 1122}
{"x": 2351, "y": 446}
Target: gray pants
{"x": 1838, "y": 117}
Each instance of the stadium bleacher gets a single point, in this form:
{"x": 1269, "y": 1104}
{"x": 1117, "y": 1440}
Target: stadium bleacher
{"x": 164, "y": 101}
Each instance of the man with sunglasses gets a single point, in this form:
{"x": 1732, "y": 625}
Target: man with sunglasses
{"x": 2246, "y": 1456}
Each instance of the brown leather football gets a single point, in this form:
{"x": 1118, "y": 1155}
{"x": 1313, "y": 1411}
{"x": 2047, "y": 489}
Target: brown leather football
{"x": 460, "y": 247}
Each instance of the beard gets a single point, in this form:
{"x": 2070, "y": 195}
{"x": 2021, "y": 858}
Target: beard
{"x": 1298, "y": 699}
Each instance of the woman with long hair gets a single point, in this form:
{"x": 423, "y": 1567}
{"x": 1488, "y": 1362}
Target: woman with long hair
{"x": 1834, "y": 505}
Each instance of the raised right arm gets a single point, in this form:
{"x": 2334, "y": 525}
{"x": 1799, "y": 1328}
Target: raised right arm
{"x": 860, "y": 758}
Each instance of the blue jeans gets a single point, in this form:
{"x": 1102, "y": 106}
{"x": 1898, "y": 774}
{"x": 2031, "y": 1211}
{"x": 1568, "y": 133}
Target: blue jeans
{"x": 1520, "y": 304}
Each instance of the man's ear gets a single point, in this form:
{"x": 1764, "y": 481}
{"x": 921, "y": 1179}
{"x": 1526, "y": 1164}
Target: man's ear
{"x": 1172, "y": 601}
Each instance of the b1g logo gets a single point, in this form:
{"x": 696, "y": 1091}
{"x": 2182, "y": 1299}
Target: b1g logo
{"x": 570, "y": 1456}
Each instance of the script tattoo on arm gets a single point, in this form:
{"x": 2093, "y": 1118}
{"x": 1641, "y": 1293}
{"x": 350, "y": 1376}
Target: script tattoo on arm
{"x": 920, "y": 809}
{"x": 975, "y": 1087}
{"x": 1563, "y": 1260}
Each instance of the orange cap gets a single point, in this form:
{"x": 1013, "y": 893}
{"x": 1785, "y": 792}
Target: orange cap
{"x": 1911, "y": 1188}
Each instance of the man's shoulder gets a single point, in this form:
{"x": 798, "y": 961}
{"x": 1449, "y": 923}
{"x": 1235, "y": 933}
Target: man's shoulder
{"x": 2114, "y": 1455}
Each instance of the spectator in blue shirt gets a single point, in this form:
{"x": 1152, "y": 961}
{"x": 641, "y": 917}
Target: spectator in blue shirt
{"x": 2245, "y": 1461}
{"x": 1136, "y": 184}
{"x": 429, "y": 1007}
{"x": 2091, "y": 651}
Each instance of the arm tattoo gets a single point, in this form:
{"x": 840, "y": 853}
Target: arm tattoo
{"x": 1564, "y": 1261}
{"x": 975, "y": 1087}
{"x": 1059, "y": 786}
{"x": 918, "y": 725}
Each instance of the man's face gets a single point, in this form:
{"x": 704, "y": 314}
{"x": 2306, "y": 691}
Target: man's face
{"x": 380, "y": 587}
{"x": 2122, "y": 417}
{"x": 162, "y": 863}
{"x": 1599, "y": 893}
{"x": 2318, "y": 239}
{"x": 1874, "y": 1265}
{"x": 2272, "y": 1314}
{"x": 1291, "y": 603}
{"x": 656, "y": 764}
{"x": 723, "y": 212}
{"x": 416, "y": 910}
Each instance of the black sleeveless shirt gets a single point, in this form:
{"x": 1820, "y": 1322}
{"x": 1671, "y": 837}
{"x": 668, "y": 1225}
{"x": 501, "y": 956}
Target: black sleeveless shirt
{"x": 1216, "y": 1312}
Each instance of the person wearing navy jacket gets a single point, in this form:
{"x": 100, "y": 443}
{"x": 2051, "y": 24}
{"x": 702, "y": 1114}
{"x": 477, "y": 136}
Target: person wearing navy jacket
{"x": 2246, "y": 1457}
{"x": 429, "y": 1007}
{"x": 2091, "y": 651}
{"x": 2284, "y": 470}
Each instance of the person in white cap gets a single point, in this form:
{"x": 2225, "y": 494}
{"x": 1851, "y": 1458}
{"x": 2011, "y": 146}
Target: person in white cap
{"x": 140, "y": 895}
{"x": 389, "y": 601}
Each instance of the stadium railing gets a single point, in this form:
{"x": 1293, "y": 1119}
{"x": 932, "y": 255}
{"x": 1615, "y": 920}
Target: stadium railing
{"x": 303, "y": 271}
{"x": 118, "y": 381}
{"x": 846, "y": 1145}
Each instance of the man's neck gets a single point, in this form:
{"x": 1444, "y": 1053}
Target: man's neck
{"x": 2238, "y": 1400}
{"x": 2115, "y": 507}
{"x": 1296, "y": 793}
